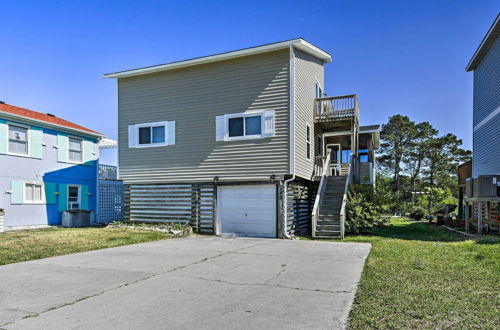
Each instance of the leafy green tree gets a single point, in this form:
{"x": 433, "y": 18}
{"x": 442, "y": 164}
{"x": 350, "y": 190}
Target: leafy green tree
{"x": 397, "y": 138}
{"x": 442, "y": 159}
{"x": 414, "y": 159}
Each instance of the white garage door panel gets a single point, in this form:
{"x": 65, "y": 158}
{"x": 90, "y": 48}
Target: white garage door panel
{"x": 247, "y": 210}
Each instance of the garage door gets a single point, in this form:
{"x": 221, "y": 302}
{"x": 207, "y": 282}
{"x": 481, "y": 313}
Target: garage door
{"x": 247, "y": 210}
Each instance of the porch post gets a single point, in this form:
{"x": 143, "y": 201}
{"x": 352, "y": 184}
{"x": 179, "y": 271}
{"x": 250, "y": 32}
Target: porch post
{"x": 466, "y": 217}
{"x": 480, "y": 218}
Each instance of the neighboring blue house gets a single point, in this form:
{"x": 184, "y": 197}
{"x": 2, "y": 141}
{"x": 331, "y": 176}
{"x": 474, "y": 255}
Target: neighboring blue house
{"x": 47, "y": 165}
{"x": 483, "y": 189}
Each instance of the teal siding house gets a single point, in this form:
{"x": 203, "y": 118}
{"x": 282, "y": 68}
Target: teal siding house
{"x": 47, "y": 165}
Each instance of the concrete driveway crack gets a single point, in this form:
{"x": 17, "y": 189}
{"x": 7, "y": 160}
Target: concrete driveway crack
{"x": 272, "y": 285}
{"x": 278, "y": 274}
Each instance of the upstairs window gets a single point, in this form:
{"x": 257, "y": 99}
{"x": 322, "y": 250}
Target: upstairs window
{"x": 151, "y": 134}
{"x": 33, "y": 193}
{"x": 18, "y": 140}
{"x": 308, "y": 141}
{"x": 75, "y": 150}
{"x": 245, "y": 126}
{"x": 319, "y": 146}
{"x": 250, "y": 125}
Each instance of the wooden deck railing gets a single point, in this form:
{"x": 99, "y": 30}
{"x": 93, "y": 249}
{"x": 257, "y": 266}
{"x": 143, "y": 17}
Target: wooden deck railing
{"x": 335, "y": 168}
{"x": 336, "y": 107}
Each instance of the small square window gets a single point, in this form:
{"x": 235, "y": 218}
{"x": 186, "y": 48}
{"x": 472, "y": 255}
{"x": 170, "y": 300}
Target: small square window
{"x": 152, "y": 134}
{"x": 235, "y": 126}
{"x": 158, "y": 134}
{"x": 253, "y": 125}
{"x": 33, "y": 193}
{"x": 144, "y": 135}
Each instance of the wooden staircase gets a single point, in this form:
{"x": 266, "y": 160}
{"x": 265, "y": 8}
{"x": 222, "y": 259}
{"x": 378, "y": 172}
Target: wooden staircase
{"x": 328, "y": 223}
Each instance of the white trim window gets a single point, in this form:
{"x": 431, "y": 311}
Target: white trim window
{"x": 156, "y": 134}
{"x": 319, "y": 94}
{"x": 18, "y": 141}
{"x": 245, "y": 126}
{"x": 319, "y": 146}
{"x": 74, "y": 197}
{"x": 308, "y": 141}
{"x": 34, "y": 193}
{"x": 75, "y": 150}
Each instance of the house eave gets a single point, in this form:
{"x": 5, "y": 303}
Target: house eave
{"x": 297, "y": 43}
{"x": 485, "y": 45}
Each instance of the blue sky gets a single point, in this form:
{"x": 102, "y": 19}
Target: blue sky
{"x": 401, "y": 56}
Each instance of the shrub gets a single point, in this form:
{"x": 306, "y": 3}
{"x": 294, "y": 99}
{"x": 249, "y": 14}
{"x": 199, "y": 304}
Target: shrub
{"x": 363, "y": 212}
{"x": 417, "y": 213}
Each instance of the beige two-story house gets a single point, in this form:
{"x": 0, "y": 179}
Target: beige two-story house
{"x": 241, "y": 143}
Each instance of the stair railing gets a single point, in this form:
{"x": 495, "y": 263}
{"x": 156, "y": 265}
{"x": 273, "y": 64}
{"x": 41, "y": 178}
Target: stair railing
{"x": 321, "y": 191}
{"x": 344, "y": 199}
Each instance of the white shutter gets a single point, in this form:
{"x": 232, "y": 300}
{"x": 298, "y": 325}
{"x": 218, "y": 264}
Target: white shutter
{"x": 132, "y": 136}
{"x": 268, "y": 123}
{"x": 220, "y": 128}
{"x": 170, "y": 126}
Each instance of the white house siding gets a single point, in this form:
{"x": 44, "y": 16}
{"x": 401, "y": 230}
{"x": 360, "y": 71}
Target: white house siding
{"x": 193, "y": 97}
{"x": 308, "y": 70}
{"x": 486, "y": 138}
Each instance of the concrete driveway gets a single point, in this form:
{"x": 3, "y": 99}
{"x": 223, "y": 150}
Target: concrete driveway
{"x": 187, "y": 283}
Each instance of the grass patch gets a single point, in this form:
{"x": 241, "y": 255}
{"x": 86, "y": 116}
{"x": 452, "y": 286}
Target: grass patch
{"x": 49, "y": 242}
{"x": 420, "y": 277}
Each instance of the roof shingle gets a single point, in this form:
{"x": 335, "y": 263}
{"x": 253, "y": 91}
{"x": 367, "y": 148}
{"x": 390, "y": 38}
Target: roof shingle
{"x": 42, "y": 117}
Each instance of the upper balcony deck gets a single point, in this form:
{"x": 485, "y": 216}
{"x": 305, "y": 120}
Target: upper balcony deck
{"x": 336, "y": 112}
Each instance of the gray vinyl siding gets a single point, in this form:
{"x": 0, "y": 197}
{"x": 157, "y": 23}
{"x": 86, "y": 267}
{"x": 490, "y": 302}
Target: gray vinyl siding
{"x": 193, "y": 97}
{"x": 486, "y": 139}
{"x": 308, "y": 69}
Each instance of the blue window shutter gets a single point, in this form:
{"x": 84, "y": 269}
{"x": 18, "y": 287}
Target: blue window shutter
{"x": 36, "y": 140}
{"x": 85, "y": 197}
{"x": 16, "y": 192}
{"x": 3, "y": 136}
{"x": 62, "y": 148}
{"x": 50, "y": 193}
{"x": 88, "y": 152}
{"x": 63, "y": 197}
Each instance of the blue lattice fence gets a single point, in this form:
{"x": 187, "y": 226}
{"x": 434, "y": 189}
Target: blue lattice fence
{"x": 111, "y": 207}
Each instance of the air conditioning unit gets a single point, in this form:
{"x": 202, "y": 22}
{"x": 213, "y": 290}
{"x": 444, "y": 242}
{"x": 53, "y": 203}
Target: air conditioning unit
{"x": 74, "y": 206}
{"x": 487, "y": 186}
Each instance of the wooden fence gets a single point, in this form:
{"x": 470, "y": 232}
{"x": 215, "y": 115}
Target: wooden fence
{"x": 184, "y": 203}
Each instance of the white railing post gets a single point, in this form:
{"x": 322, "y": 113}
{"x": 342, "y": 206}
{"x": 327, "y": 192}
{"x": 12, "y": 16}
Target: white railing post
{"x": 320, "y": 193}
{"x": 344, "y": 200}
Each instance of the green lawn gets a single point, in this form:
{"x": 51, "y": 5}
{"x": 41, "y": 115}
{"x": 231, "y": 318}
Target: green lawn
{"x": 36, "y": 244}
{"x": 418, "y": 276}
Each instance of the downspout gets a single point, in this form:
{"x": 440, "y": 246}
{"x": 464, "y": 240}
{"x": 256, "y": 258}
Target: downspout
{"x": 292, "y": 142}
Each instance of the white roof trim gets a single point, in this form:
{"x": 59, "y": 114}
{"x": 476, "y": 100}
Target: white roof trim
{"x": 45, "y": 123}
{"x": 297, "y": 43}
{"x": 487, "y": 39}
